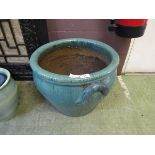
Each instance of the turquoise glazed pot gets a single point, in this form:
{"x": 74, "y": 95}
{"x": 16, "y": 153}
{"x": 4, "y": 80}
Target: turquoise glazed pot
{"x": 75, "y": 96}
{"x": 8, "y": 96}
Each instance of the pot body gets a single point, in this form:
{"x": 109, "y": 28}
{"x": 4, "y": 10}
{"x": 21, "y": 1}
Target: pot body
{"x": 8, "y": 97}
{"x": 70, "y": 100}
{"x": 74, "y": 96}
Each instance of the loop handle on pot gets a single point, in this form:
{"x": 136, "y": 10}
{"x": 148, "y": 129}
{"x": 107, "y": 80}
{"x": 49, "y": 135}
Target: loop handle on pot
{"x": 90, "y": 90}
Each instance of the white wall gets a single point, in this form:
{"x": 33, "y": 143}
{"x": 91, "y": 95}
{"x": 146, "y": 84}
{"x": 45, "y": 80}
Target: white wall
{"x": 141, "y": 54}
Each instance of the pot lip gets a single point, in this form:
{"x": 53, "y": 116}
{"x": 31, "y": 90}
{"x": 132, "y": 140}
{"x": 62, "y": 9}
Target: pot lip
{"x": 7, "y": 73}
{"x": 65, "y": 78}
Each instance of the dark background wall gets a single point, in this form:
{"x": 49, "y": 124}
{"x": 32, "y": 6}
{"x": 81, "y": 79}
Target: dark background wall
{"x": 88, "y": 28}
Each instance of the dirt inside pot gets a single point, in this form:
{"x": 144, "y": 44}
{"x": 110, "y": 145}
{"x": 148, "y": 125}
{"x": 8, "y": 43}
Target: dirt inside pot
{"x": 76, "y": 61}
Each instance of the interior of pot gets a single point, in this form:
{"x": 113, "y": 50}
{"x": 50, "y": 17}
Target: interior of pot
{"x": 4, "y": 77}
{"x": 73, "y": 60}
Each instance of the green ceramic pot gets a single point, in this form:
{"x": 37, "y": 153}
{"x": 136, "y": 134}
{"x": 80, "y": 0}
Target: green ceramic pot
{"x": 75, "y": 96}
{"x": 8, "y": 96}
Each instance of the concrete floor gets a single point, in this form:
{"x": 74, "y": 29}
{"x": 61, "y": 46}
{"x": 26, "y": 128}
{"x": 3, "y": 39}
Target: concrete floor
{"x": 128, "y": 109}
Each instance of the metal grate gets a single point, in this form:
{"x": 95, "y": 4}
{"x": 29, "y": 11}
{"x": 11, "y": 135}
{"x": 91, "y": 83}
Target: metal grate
{"x": 18, "y": 40}
{"x": 12, "y": 46}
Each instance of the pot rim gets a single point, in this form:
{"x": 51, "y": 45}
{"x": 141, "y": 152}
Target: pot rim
{"x": 7, "y": 73}
{"x": 65, "y": 78}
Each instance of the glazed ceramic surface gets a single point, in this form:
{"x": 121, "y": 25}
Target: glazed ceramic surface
{"x": 75, "y": 96}
{"x": 8, "y": 96}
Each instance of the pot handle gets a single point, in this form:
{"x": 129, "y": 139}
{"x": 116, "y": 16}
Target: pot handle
{"x": 90, "y": 90}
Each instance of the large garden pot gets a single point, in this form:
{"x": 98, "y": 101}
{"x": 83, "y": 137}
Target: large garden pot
{"x": 8, "y": 96}
{"x": 68, "y": 92}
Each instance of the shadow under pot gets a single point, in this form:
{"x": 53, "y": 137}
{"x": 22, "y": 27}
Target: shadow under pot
{"x": 8, "y": 95}
{"x": 74, "y": 74}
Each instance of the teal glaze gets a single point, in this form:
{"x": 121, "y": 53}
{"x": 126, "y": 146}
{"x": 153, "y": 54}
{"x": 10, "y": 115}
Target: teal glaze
{"x": 8, "y": 96}
{"x": 75, "y": 96}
